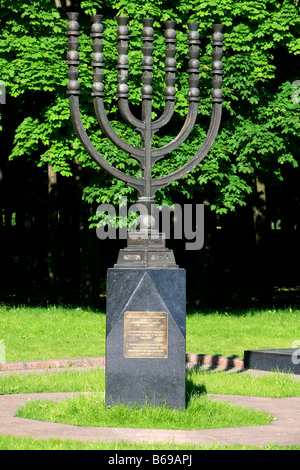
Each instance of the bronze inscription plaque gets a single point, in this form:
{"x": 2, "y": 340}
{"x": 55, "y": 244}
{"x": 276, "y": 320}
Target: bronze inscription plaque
{"x": 146, "y": 335}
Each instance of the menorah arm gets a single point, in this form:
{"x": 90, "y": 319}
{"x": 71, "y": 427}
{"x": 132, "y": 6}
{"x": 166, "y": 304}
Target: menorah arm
{"x": 159, "y": 183}
{"x": 217, "y": 98}
{"x": 193, "y": 98}
{"x": 112, "y": 135}
{"x": 147, "y": 66}
{"x": 123, "y": 75}
{"x": 187, "y": 127}
{"x": 136, "y": 183}
{"x": 166, "y": 116}
{"x": 160, "y": 122}
{"x": 128, "y": 116}
{"x": 170, "y": 76}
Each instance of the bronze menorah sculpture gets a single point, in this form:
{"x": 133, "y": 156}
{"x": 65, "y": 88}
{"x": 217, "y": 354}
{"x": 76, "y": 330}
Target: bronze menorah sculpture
{"x": 146, "y": 186}
{"x": 145, "y": 315}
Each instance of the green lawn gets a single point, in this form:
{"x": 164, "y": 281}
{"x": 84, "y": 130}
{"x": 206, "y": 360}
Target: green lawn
{"x": 89, "y": 410}
{"x": 28, "y": 443}
{"x": 201, "y": 411}
{"x": 231, "y": 333}
{"x": 52, "y": 333}
{"x": 61, "y": 332}
{"x": 206, "y": 382}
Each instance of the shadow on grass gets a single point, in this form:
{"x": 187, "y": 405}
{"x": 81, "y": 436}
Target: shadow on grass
{"x": 193, "y": 389}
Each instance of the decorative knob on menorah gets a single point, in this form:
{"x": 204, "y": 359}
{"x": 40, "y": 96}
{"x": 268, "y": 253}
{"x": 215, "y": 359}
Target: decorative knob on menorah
{"x": 151, "y": 251}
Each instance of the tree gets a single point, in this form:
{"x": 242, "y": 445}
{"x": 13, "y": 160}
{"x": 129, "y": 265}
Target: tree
{"x": 256, "y": 130}
{"x": 260, "y": 127}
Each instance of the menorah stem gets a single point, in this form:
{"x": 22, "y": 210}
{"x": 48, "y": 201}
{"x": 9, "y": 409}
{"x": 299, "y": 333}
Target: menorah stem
{"x": 147, "y": 144}
{"x": 147, "y": 95}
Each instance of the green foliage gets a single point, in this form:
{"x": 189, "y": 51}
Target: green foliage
{"x": 258, "y": 135}
{"x": 89, "y": 410}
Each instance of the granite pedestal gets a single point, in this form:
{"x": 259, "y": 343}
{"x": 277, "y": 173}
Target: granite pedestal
{"x": 145, "y": 336}
{"x": 282, "y": 360}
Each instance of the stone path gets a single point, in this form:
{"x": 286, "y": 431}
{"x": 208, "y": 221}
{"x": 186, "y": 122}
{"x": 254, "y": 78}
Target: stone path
{"x": 285, "y": 430}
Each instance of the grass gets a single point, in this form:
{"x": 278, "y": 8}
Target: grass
{"x": 52, "y": 382}
{"x": 62, "y": 333}
{"x": 51, "y": 333}
{"x": 274, "y": 385}
{"x": 89, "y": 410}
{"x": 231, "y": 333}
{"x": 28, "y": 443}
{"x": 201, "y": 412}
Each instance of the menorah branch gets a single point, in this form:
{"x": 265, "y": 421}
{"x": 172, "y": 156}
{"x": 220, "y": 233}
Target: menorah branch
{"x": 166, "y": 116}
{"x": 74, "y": 91}
{"x": 73, "y": 54}
{"x": 146, "y": 155}
{"x": 212, "y": 133}
{"x": 217, "y": 65}
{"x": 185, "y": 131}
{"x": 123, "y": 75}
{"x": 132, "y": 181}
{"x": 112, "y": 135}
{"x": 97, "y": 57}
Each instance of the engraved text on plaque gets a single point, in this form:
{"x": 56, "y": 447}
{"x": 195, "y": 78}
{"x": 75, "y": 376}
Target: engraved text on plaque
{"x": 146, "y": 335}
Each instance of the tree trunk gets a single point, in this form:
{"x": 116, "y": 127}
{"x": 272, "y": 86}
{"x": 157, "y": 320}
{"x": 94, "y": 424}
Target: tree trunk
{"x": 262, "y": 240}
{"x": 52, "y": 233}
{"x": 205, "y": 284}
{"x": 89, "y": 246}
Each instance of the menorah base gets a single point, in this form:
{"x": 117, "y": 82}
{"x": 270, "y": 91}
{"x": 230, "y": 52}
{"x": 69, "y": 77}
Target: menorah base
{"x": 145, "y": 337}
{"x": 146, "y": 249}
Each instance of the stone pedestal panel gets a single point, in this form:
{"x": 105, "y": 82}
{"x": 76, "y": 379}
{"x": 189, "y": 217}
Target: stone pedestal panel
{"x": 145, "y": 336}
